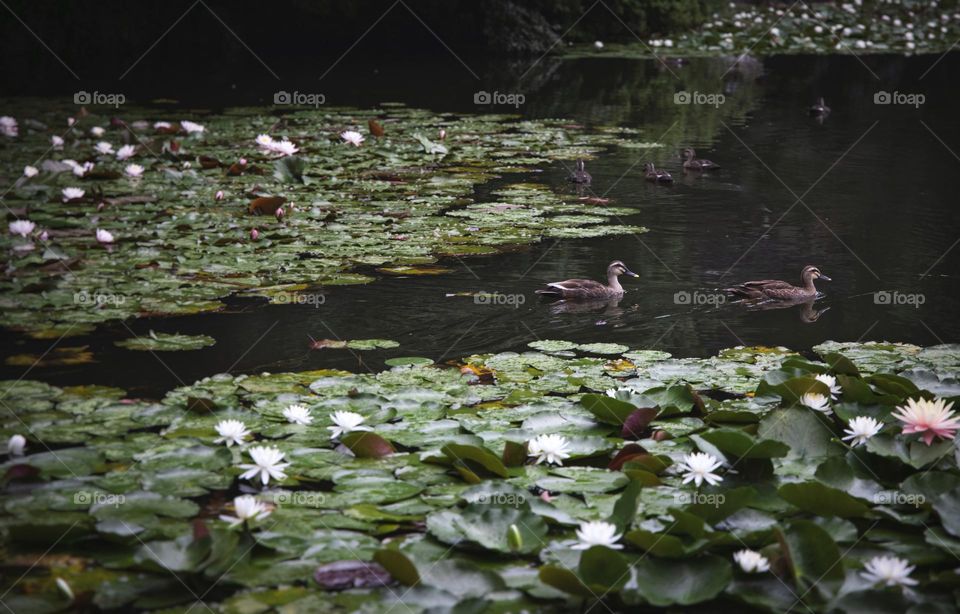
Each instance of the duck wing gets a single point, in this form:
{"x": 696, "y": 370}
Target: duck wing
{"x": 759, "y": 289}
{"x": 571, "y": 285}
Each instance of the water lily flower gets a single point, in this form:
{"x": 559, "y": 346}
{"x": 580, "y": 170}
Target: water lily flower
{"x": 162, "y": 125}
{"x": 71, "y": 193}
{"x": 346, "y": 422}
{"x": 266, "y": 464}
{"x": 231, "y": 432}
{"x": 8, "y": 126}
{"x": 133, "y": 170}
{"x": 22, "y": 227}
{"x": 298, "y": 414}
{"x": 889, "y": 570}
{"x": 126, "y": 152}
{"x": 861, "y": 429}
{"x": 247, "y": 507}
{"x": 551, "y": 449}
{"x": 44, "y": 236}
{"x": 442, "y": 134}
{"x": 191, "y": 127}
{"x": 830, "y": 382}
{"x": 104, "y": 236}
{"x": 104, "y": 147}
{"x": 751, "y": 561}
{"x": 56, "y": 142}
{"x": 699, "y": 467}
{"x": 932, "y": 418}
{"x": 352, "y": 136}
{"x": 16, "y": 445}
{"x": 264, "y": 140}
{"x": 97, "y": 131}
{"x": 82, "y": 169}
{"x": 283, "y": 147}
{"x": 597, "y": 533}
{"x": 598, "y": 44}
{"x": 218, "y": 195}
{"x": 30, "y": 171}
{"x": 255, "y": 235}
{"x": 817, "y": 401}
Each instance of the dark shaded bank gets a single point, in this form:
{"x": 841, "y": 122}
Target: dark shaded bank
{"x": 102, "y": 39}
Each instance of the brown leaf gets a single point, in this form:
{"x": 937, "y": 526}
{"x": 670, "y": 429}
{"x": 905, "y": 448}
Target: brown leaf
{"x": 319, "y": 344}
{"x": 629, "y": 452}
{"x": 341, "y": 575}
{"x": 266, "y": 205}
{"x": 636, "y": 426}
{"x": 365, "y": 444}
{"x": 208, "y": 162}
{"x": 375, "y": 128}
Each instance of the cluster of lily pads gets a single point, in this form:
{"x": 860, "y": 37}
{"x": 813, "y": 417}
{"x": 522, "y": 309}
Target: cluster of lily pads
{"x": 570, "y": 475}
{"x": 137, "y": 214}
{"x": 891, "y": 26}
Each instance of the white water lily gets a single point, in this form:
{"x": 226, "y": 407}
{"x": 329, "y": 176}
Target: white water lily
{"x": 699, "y": 468}
{"x": 551, "y": 449}
{"x": 284, "y": 147}
{"x": 352, "y": 136}
{"x": 231, "y": 432}
{"x": 16, "y": 445}
{"x": 162, "y": 125}
{"x": 126, "y": 152}
{"x": 71, "y": 193}
{"x": 264, "y": 140}
{"x": 830, "y": 382}
{"x": 247, "y": 508}
{"x": 81, "y": 169}
{"x": 818, "y": 402}
{"x": 97, "y": 131}
{"x": 346, "y": 422}
{"x": 597, "y": 533}
{"x": 266, "y": 464}
{"x": 22, "y": 227}
{"x": 298, "y": 414}
{"x": 133, "y": 170}
{"x": 751, "y": 561}
{"x": 8, "y": 126}
{"x": 889, "y": 570}
{"x": 191, "y": 127}
{"x": 104, "y": 148}
{"x": 30, "y": 171}
{"x": 56, "y": 142}
{"x": 861, "y": 429}
{"x": 104, "y": 236}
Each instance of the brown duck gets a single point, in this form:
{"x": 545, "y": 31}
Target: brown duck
{"x": 780, "y": 290}
{"x": 692, "y": 163}
{"x": 580, "y": 174}
{"x": 588, "y": 289}
{"x": 651, "y": 173}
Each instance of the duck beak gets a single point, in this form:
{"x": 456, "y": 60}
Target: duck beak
{"x": 631, "y": 274}
{"x": 824, "y": 277}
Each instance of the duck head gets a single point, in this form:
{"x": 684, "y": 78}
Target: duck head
{"x": 689, "y": 153}
{"x": 811, "y": 273}
{"x": 618, "y": 268}
{"x": 580, "y": 166}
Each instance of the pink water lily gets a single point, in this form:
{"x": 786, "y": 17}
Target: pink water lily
{"x": 932, "y": 418}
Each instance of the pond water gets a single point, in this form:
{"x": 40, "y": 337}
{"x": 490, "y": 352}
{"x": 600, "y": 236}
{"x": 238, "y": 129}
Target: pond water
{"x": 868, "y": 195}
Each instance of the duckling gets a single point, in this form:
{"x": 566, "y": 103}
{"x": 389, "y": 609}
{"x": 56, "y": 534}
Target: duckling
{"x": 693, "y": 164}
{"x": 819, "y": 108}
{"x": 780, "y": 290}
{"x": 657, "y": 176}
{"x": 587, "y": 289}
{"x": 580, "y": 175}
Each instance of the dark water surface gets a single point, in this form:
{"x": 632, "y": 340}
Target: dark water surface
{"x": 869, "y": 195}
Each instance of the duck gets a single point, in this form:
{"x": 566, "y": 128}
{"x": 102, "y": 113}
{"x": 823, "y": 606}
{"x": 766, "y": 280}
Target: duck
{"x": 657, "y": 176}
{"x": 819, "y": 108}
{"x": 692, "y": 163}
{"x": 780, "y": 290}
{"x": 580, "y": 175}
{"x": 588, "y": 289}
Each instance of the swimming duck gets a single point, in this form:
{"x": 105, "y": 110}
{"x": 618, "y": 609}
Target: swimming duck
{"x": 692, "y": 163}
{"x": 781, "y": 290}
{"x": 820, "y": 108}
{"x": 580, "y": 175}
{"x": 587, "y": 288}
{"x": 657, "y": 176}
